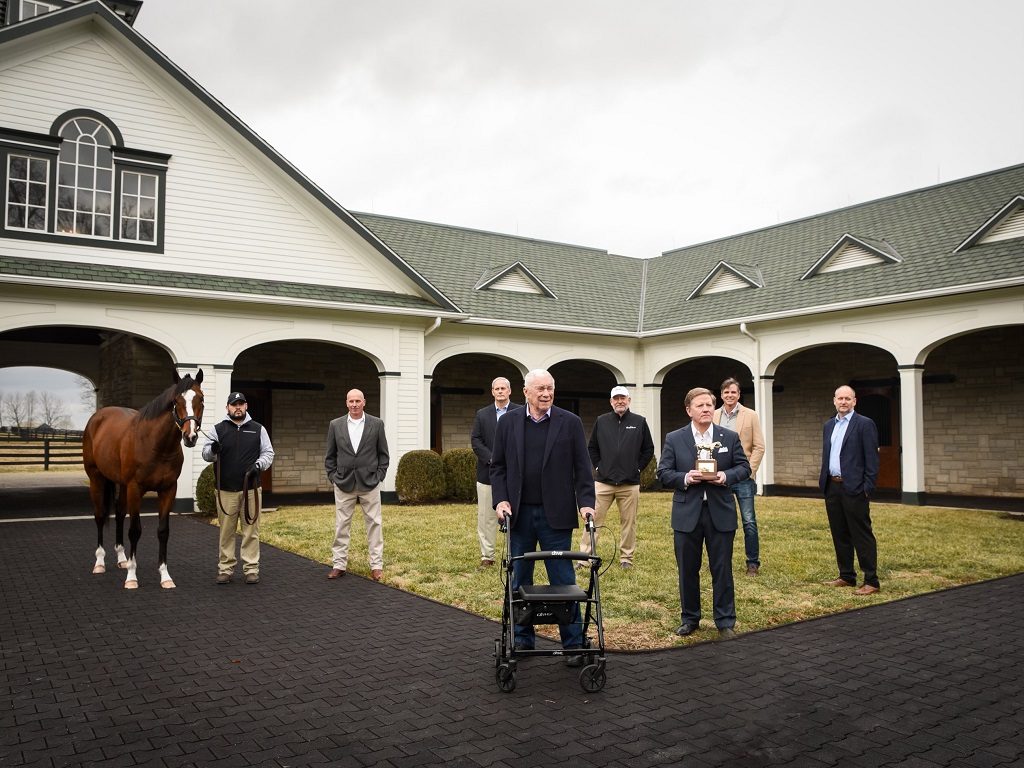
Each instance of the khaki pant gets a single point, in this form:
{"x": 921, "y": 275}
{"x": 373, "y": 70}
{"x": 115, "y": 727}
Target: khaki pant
{"x": 486, "y": 522}
{"x": 230, "y": 516}
{"x": 345, "y": 506}
{"x": 628, "y": 499}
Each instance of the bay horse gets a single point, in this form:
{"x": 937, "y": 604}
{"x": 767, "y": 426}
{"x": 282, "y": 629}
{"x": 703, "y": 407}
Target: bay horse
{"x": 137, "y": 451}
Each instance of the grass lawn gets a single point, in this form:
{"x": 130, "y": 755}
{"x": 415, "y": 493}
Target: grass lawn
{"x": 433, "y": 551}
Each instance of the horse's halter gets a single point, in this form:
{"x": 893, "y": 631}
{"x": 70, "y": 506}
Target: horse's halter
{"x": 182, "y": 422}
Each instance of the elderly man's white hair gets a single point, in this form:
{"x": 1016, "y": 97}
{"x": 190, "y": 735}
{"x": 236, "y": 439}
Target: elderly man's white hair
{"x": 537, "y": 373}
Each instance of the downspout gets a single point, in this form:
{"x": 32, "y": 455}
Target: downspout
{"x": 432, "y": 328}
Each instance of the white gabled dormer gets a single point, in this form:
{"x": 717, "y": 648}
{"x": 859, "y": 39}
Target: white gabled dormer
{"x": 1006, "y": 224}
{"x": 850, "y": 252}
{"x": 516, "y": 278}
{"x": 728, "y": 277}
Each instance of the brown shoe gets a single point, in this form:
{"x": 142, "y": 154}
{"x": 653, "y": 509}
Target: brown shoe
{"x": 485, "y": 563}
{"x": 867, "y": 589}
{"x": 376, "y": 574}
{"x": 252, "y": 578}
{"x": 223, "y": 578}
{"x": 336, "y": 573}
{"x": 838, "y": 583}
{"x": 753, "y": 570}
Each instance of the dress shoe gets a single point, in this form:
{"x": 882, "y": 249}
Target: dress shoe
{"x": 223, "y": 578}
{"x": 838, "y": 583}
{"x": 753, "y": 570}
{"x": 520, "y": 648}
{"x": 485, "y": 563}
{"x": 252, "y": 578}
{"x": 687, "y": 629}
{"x": 726, "y": 633}
{"x": 336, "y": 573}
{"x": 626, "y": 566}
{"x": 376, "y": 574}
{"x": 867, "y": 589}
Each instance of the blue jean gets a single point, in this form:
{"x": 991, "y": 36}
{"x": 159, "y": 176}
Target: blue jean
{"x": 531, "y": 528}
{"x": 745, "y": 491}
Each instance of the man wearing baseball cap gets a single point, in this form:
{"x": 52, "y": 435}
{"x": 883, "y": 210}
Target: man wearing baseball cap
{"x": 620, "y": 447}
{"x": 242, "y": 450}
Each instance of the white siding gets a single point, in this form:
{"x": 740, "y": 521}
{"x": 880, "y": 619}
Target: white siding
{"x": 228, "y": 210}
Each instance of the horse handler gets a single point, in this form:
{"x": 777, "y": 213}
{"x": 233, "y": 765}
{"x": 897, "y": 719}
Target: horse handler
{"x": 242, "y": 450}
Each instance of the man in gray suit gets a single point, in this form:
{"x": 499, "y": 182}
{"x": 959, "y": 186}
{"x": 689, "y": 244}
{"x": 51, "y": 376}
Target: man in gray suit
{"x": 356, "y": 461}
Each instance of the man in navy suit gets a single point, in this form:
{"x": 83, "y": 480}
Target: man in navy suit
{"x": 482, "y": 440}
{"x": 541, "y": 476}
{"x": 703, "y": 509}
{"x": 849, "y": 471}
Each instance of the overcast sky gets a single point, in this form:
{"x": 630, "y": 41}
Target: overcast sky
{"x": 634, "y": 127}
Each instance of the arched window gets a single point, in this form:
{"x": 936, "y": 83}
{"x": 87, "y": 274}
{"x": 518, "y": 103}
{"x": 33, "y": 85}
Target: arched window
{"x": 80, "y": 181}
{"x": 85, "y": 178}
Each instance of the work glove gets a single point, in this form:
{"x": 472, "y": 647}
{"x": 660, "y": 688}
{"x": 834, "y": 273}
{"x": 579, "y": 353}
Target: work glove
{"x": 214, "y": 447}
{"x": 253, "y": 475}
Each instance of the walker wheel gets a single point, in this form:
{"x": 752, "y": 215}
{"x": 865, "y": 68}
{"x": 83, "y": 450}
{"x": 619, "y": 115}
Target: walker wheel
{"x": 505, "y": 675}
{"x": 593, "y": 678}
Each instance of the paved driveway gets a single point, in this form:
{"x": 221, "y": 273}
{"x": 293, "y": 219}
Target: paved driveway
{"x": 299, "y": 670}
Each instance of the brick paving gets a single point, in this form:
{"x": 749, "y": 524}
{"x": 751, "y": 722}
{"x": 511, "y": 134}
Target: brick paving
{"x": 300, "y": 671}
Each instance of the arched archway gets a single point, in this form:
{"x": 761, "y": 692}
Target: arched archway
{"x": 707, "y": 372}
{"x": 804, "y": 385}
{"x": 459, "y": 386}
{"x": 583, "y": 387}
{"x": 295, "y": 388}
{"x": 973, "y": 429}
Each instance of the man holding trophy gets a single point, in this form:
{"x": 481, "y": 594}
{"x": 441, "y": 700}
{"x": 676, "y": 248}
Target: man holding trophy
{"x": 700, "y": 461}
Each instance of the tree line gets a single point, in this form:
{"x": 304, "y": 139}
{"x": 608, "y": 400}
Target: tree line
{"x": 27, "y": 410}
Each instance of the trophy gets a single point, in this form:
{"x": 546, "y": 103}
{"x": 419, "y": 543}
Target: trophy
{"x": 707, "y": 464}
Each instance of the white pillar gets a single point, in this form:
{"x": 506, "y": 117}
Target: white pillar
{"x": 912, "y": 432}
{"x": 652, "y": 406}
{"x": 389, "y": 402}
{"x": 766, "y": 412}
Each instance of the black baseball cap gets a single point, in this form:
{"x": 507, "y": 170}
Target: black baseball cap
{"x": 236, "y": 397}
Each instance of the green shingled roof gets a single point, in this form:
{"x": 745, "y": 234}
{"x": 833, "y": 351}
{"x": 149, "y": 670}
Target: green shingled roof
{"x": 924, "y": 227}
{"x": 592, "y": 288}
{"x": 99, "y": 273}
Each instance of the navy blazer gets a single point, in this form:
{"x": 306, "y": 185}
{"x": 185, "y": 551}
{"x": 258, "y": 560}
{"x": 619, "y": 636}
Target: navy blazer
{"x": 680, "y": 456}
{"x": 858, "y": 457}
{"x": 482, "y": 439}
{"x": 567, "y": 479}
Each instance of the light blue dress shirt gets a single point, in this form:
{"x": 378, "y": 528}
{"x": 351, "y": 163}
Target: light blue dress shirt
{"x": 838, "y": 433}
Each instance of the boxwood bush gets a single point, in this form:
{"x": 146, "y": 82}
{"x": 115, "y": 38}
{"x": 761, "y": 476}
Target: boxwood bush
{"x": 460, "y": 474}
{"x": 420, "y": 478}
{"x": 206, "y": 492}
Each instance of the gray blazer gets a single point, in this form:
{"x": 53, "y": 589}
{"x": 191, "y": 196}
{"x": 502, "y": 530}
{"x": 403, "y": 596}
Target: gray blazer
{"x": 361, "y": 470}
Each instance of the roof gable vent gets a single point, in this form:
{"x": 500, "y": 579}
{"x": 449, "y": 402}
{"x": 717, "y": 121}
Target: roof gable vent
{"x": 1006, "y": 224}
{"x": 514, "y": 278}
{"x": 850, "y": 252}
{"x": 728, "y": 277}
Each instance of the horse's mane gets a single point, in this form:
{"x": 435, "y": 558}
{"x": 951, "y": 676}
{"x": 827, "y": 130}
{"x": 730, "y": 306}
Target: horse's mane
{"x": 160, "y": 404}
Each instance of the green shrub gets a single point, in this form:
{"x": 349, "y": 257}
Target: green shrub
{"x": 420, "y": 478}
{"x": 648, "y": 478}
{"x": 206, "y": 492}
{"x": 460, "y": 474}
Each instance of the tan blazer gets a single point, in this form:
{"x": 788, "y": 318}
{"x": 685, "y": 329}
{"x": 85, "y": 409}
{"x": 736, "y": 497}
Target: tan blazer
{"x": 751, "y": 438}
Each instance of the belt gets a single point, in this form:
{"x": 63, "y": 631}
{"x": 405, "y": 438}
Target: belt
{"x": 836, "y": 479}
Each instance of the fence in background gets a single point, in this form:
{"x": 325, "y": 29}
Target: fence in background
{"x": 29, "y": 448}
